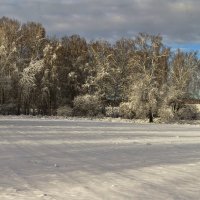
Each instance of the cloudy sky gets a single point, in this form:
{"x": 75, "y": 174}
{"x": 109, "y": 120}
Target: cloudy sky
{"x": 178, "y": 21}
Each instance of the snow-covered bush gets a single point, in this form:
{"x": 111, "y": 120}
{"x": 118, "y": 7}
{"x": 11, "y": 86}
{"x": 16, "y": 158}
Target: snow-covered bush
{"x": 65, "y": 111}
{"x": 187, "y": 112}
{"x": 126, "y": 111}
{"x": 141, "y": 111}
{"x": 112, "y": 112}
{"x": 166, "y": 114}
{"x": 87, "y": 105}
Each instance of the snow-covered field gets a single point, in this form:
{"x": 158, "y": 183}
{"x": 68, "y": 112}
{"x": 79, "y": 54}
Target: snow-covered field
{"x": 43, "y": 159}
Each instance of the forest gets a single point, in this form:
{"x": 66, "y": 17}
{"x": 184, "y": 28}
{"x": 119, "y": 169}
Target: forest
{"x": 70, "y": 76}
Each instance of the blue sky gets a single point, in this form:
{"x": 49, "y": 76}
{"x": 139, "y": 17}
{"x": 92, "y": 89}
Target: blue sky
{"x": 186, "y": 47}
{"x": 176, "y": 20}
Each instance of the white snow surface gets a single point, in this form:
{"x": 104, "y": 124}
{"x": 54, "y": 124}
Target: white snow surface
{"x": 46, "y": 159}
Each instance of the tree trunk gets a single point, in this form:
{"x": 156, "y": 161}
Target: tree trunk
{"x": 150, "y": 115}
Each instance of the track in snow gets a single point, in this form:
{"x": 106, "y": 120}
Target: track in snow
{"x": 64, "y": 160}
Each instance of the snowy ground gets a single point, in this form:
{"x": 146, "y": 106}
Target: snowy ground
{"x": 42, "y": 159}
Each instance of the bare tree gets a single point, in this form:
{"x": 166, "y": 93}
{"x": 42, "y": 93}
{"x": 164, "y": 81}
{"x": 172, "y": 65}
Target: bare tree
{"x": 183, "y": 68}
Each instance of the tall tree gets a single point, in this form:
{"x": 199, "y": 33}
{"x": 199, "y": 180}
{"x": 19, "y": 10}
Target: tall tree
{"x": 150, "y": 74}
{"x": 72, "y": 71}
{"x": 9, "y": 34}
{"x": 30, "y": 47}
{"x": 183, "y": 69}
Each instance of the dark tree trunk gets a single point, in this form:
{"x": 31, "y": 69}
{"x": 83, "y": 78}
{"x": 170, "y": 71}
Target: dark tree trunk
{"x": 150, "y": 115}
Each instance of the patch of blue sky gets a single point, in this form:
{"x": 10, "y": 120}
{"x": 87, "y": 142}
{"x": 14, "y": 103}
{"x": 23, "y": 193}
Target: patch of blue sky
{"x": 188, "y": 47}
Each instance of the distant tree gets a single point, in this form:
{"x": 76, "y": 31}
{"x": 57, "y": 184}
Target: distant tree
{"x": 109, "y": 70}
{"x": 194, "y": 84}
{"x": 8, "y": 55}
{"x": 150, "y": 72}
{"x": 124, "y": 49}
{"x": 73, "y": 70}
{"x": 183, "y": 69}
{"x": 30, "y": 45}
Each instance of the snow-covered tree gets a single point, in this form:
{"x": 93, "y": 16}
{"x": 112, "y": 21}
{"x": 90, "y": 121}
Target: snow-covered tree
{"x": 150, "y": 72}
{"x": 109, "y": 70}
{"x": 73, "y": 70}
{"x": 8, "y": 55}
{"x": 184, "y": 67}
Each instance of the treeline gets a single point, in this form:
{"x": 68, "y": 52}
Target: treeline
{"x": 131, "y": 78}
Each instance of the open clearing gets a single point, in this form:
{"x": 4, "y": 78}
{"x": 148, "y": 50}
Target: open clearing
{"x": 63, "y": 160}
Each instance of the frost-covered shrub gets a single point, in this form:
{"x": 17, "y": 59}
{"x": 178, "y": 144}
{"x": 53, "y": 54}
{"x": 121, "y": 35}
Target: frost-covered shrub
{"x": 65, "y": 111}
{"x": 187, "y": 112}
{"x": 166, "y": 114}
{"x": 126, "y": 111}
{"x": 112, "y": 112}
{"x": 141, "y": 111}
{"x": 87, "y": 105}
